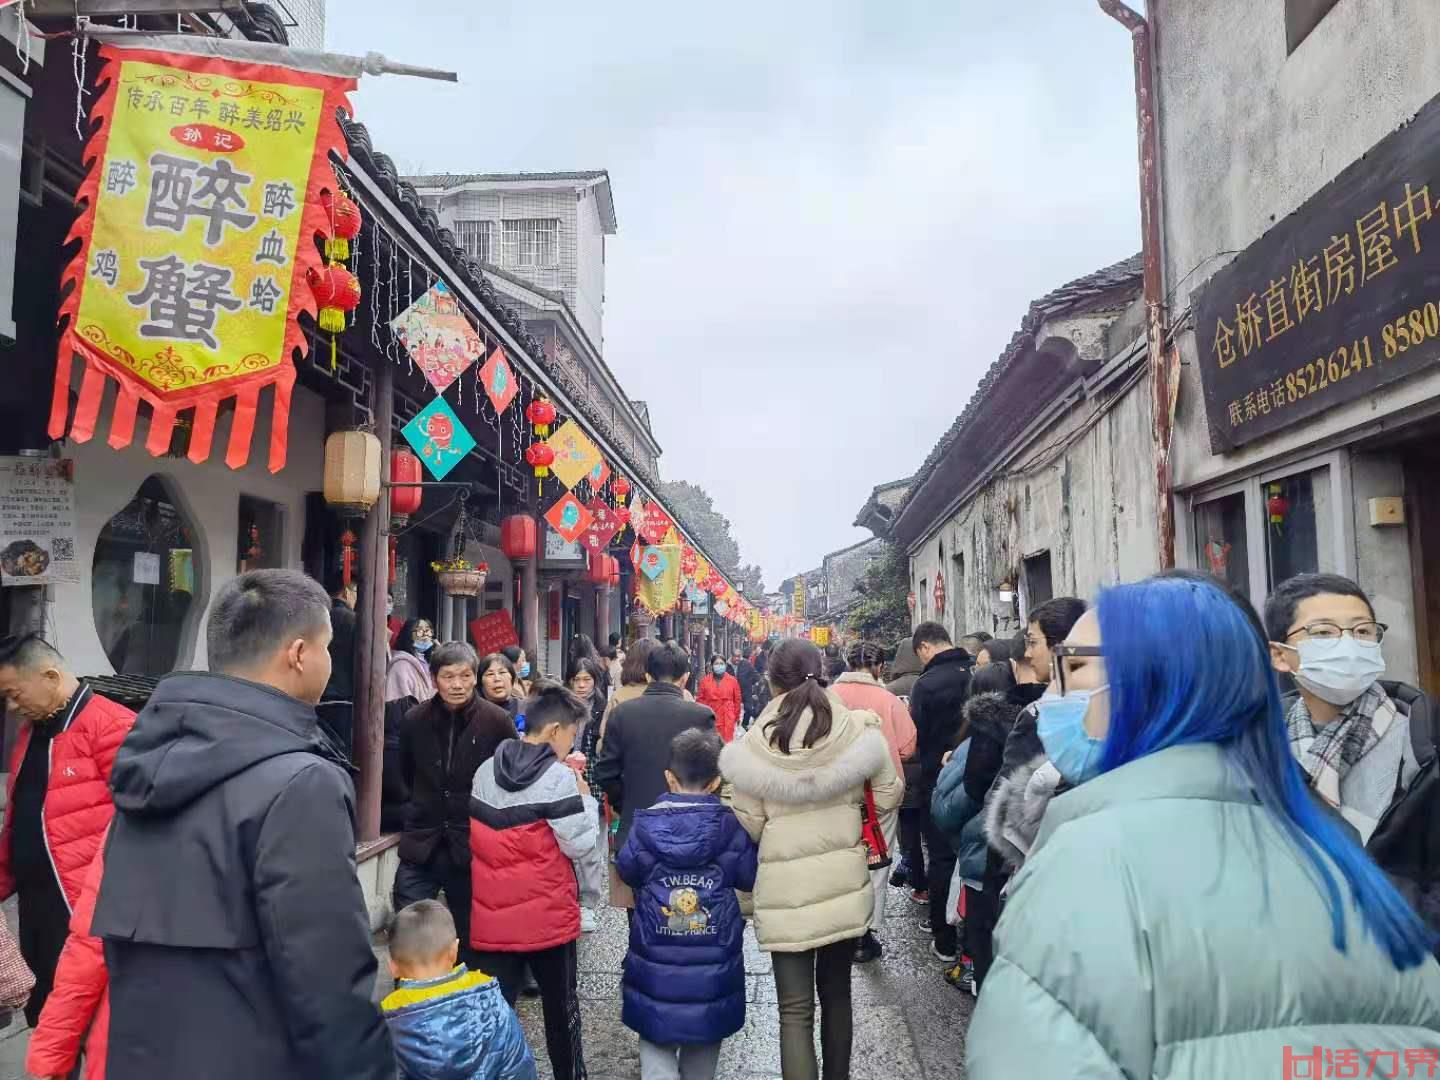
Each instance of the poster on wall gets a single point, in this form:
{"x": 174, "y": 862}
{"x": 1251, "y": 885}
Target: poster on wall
{"x": 37, "y": 522}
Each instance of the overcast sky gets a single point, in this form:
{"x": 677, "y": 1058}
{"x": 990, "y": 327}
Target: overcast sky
{"x": 832, "y": 215}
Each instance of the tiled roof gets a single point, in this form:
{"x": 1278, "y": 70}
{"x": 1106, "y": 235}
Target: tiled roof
{"x": 381, "y": 168}
{"x": 1073, "y": 297}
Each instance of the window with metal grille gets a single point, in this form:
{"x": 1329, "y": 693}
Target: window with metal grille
{"x": 532, "y": 242}
{"x": 477, "y": 238}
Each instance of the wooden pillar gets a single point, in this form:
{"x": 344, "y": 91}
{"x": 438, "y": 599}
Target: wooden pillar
{"x": 530, "y": 603}
{"x": 373, "y": 635}
{"x": 602, "y": 616}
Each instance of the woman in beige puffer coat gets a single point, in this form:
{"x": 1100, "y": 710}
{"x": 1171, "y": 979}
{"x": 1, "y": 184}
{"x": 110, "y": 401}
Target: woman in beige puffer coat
{"x": 798, "y": 778}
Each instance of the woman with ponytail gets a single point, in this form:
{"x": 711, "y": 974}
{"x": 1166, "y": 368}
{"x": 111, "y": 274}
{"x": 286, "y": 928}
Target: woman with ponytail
{"x": 800, "y": 777}
{"x": 1187, "y": 909}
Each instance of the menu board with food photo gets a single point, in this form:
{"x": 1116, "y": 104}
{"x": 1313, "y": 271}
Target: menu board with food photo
{"x": 37, "y": 522}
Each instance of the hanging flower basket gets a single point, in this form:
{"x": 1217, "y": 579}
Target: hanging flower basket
{"x": 459, "y": 577}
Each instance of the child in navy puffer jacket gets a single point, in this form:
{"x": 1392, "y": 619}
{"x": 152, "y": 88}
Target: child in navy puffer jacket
{"x": 448, "y": 1023}
{"x": 684, "y": 982}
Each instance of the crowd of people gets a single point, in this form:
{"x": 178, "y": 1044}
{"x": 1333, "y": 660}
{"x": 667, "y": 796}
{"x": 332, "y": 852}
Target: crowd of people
{"x": 1159, "y": 835}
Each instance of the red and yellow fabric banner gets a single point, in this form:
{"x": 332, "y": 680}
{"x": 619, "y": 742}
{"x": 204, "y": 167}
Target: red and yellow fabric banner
{"x": 198, "y": 224}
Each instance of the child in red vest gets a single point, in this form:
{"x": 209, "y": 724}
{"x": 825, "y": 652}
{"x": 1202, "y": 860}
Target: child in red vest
{"x": 532, "y": 818}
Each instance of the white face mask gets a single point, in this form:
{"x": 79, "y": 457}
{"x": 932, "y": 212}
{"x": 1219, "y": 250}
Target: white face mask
{"x": 1339, "y": 670}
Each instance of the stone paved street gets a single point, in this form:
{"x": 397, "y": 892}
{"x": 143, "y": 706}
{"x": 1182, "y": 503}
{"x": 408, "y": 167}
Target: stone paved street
{"x": 908, "y": 1021}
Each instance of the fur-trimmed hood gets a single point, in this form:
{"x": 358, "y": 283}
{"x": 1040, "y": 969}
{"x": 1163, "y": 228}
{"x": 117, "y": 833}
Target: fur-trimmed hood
{"x": 991, "y": 715}
{"x": 1016, "y": 806}
{"x": 852, "y": 752}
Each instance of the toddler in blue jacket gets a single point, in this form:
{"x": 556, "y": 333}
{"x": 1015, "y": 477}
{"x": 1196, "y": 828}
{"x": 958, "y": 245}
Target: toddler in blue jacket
{"x": 447, "y": 1023}
{"x": 684, "y": 983}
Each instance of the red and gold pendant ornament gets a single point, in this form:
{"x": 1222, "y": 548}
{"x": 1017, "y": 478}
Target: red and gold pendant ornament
{"x": 621, "y": 487}
{"x": 541, "y": 414}
{"x": 348, "y": 540}
{"x": 336, "y": 289}
{"x": 337, "y": 292}
{"x": 345, "y": 220}
{"x": 540, "y": 457}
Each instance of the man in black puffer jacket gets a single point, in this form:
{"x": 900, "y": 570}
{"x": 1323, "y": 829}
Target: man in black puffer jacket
{"x": 443, "y": 742}
{"x": 935, "y": 705}
{"x": 236, "y": 935}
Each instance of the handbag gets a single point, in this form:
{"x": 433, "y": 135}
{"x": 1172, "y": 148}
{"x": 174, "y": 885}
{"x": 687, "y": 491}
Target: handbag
{"x": 877, "y": 852}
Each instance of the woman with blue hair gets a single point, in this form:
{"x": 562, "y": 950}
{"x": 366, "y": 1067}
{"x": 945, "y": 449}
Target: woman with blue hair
{"x": 1187, "y": 909}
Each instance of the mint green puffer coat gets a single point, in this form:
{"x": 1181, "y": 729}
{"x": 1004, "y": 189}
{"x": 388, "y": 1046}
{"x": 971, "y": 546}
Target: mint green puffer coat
{"x": 1163, "y": 926}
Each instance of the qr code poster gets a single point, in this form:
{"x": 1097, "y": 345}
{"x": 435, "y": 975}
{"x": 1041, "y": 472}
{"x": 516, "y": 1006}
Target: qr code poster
{"x": 37, "y": 522}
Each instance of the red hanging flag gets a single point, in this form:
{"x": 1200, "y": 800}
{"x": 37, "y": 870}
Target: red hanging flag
{"x": 197, "y": 233}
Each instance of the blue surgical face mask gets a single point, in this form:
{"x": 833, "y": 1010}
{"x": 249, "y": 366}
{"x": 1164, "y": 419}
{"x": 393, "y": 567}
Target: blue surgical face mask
{"x": 1060, "y": 723}
{"x": 719, "y": 669}
{"x": 422, "y": 647}
{"x": 524, "y": 670}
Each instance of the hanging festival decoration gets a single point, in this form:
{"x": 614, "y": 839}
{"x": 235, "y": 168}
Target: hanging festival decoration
{"x": 493, "y": 632}
{"x": 657, "y": 523}
{"x": 337, "y": 293}
{"x": 658, "y": 583}
{"x": 540, "y": 457}
{"x": 343, "y": 221}
{"x": 603, "y": 526}
{"x": 500, "y": 384}
{"x": 654, "y": 562}
{"x": 598, "y": 475}
{"x": 541, "y": 415}
{"x": 621, "y": 515}
{"x": 568, "y": 517}
{"x": 348, "y": 542}
{"x": 438, "y": 336}
{"x": 635, "y": 552}
{"x": 517, "y": 537}
{"x": 689, "y": 561}
{"x": 438, "y": 437}
{"x": 621, "y": 488}
{"x": 202, "y": 196}
{"x": 575, "y": 454}
{"x": 405, "y": 499}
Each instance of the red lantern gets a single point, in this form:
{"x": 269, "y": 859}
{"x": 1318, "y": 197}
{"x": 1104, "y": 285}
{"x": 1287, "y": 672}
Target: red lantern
{"x": 612, "y": 571}
{"x": 541, "y": 415}
{"x": 599, "y": 568}
{"x": 540, "y": 458}
{"x": 404, "y": 501}
{"x": 337, "y": 291}
{"x": 621, "y": 487}
{"x": 517, "y": 536}
{"x": 344, "y": 219}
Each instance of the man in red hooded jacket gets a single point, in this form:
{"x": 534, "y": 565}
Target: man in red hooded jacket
{"x": 59, "y": 805}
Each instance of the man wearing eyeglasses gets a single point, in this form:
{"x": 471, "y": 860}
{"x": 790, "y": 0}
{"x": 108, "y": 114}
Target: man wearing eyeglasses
{"x": 1368, "y": 746}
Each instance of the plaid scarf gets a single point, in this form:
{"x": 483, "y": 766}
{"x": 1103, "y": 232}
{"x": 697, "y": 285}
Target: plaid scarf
{"x": 1326, "y": 754}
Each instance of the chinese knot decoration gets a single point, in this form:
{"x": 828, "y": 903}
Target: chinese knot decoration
{"x": 541, "y": 414}
{"x": 196, "y": 226}
{"x": 1278, "y": 506}
{"x": 540, "y": 457}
